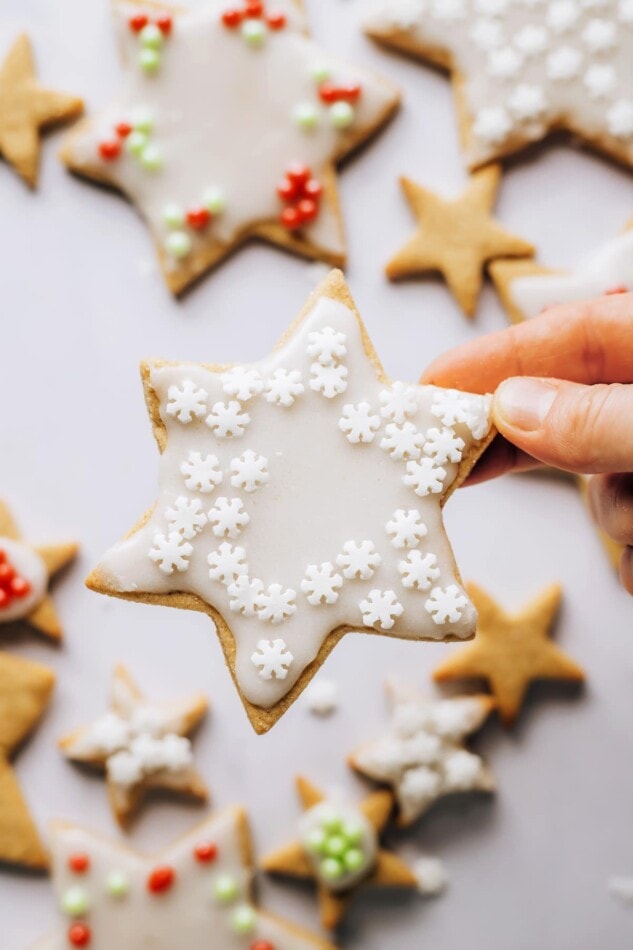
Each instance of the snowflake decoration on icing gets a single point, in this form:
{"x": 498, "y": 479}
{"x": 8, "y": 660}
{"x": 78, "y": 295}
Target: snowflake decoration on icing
{"x": 321, "y": 584}
{"x": 273, "y": 659}
{"x": 245, "y": 595}
{"x": 359, "y": 423}
{"x": 186, "y": 402}
{"x": 276, "y": 604}
{"x": 227, "y": 517}
{"x": 227, "y": 420}
{"x": 381, "y": 609}
{"x": 242, "y": 383}
{"x": 249, "y": 472}
{"x": 442, "y": 445}
{"x": 425, "y": 477}
{"x": 419, "y": 570}
{"x": 446, "y": 603}
{"x": 406, "y": 529}
{"x": 227, "y": 563}
{"x": 359, "y": 561}
{"x": 201, "y": 473}
{"x": 186, "y": 517}
{"x": 403, "y": 442}
{"x": 398, "y": 402}
{"x": 453, "y": 408}
{"x": 330, "y": 381}
{"x": 327, "y": 345}
{"x": 283, "y": 387}
{"x": 170, "y": 552}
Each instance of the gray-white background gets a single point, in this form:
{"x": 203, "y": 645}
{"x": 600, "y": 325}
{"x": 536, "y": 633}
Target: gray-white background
{"x": 82, "y": 303}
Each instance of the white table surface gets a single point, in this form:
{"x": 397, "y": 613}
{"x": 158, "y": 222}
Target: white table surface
{"x": 82, "y": 303}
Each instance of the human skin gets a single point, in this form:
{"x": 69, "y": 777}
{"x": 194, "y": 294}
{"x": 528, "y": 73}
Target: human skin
{"x": 563, "y": 396}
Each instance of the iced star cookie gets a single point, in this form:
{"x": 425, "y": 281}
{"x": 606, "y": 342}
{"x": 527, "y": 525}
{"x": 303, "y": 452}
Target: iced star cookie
{"x": 524, "y": 68}
{"x": 255, "y": 161}
{"x": 300, "y": 498}
{"x": 511, "y": 651}
{"x": 141, "y": 746}
{"x": 25, "y": 689}
{"x": 457, "y": 238}
{"x": 26, "y": 108}
{"x": 25, "y": 574}
{"x": 423, "y": 755}
{"x": 195, "y": 894}
{"x": 338, "y": 847}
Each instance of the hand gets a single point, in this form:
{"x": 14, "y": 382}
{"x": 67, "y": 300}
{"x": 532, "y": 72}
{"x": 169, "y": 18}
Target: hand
{"x": 563, "y": 397}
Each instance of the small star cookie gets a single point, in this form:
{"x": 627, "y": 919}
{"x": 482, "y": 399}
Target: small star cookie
{"x": 315, "y": 445}
{"x": 25, "y": 689}
{"x": 26, "y": 108}
{"x": 25, "y": 573}
{"x": 339, "y": 848}
{"x": 511, "y": 651}
{"x": 456, "y": 237}
{"x": 194, "y": 894}
{"x": 423, "y": 756}
{"x": 524, "y": 69}
{"x": 258, "y": 159}
{"x": 141, "y": 746}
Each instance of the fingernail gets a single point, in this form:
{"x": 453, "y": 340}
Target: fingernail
{"x": 524, "y": 403}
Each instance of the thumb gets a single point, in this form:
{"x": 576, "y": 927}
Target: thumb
{"x": 576, "y": 428}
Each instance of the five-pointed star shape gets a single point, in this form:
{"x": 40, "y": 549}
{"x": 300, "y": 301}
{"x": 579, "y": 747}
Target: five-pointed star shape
{"x": 196, "y": 893}
{"x": 423, "y": 755}
{"x": 388, "y": 870}
{"x": 523, "y": 70}
{"x": 25, "y": 689}
{"x": 511, "y": 651}
{"x": 300, "y": 500}
{"x": 26, "y": 108}
{"x": 456, "y": 237}
{"x": 133, "y": 720}
{"x": 240, "y": 142}
{"x": 43, "y": 616}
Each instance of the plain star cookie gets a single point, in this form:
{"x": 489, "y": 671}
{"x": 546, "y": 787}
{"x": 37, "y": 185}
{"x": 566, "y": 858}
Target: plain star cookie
{"x": 524, "y": 68}
{"x": 338, "y": 847}
{"x": 511, "y": 651}
{"x": 423, "y": 755}
{"x": 141, "y": 746}
{"x": 25, "y": 573}
{"x": 195, "y": 894}
{"x": 458, "y": 237}
{"x": 300, "y": 498}
{"x": 25, "y": 689}
{"x": 256, "y": 160}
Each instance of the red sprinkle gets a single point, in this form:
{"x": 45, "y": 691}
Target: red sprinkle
{"x": 232, "y": 18}
{"x": 12, "y": 585}
{"x": 123, "y": 129}
{"x": 206, "y": 851}
{"x": 198, "y": 218}
{"x": 329, "y": 93}
{"x": 262, "y": 945}
{"x": 7, "y": 573}
{"x": 161, "y": 879}
{"x": 79, "y": 863}
{"x": 620, "y": 289}
{"x": 298, "y": 174}
{"x": 288, "y": 190}
{"x": 301, "y": 194}
{"x": 313, "y": 188}
{"x": 137, "y": 23}
{"x": 79, "y": 935}
{"x": 254, "y": 8}
{"x": 110, "y": 149}
{"x": 291, "y": 219}
{"x": 164, "y": 24}
{"x": 308, "y": 209}
{"x": 5, "y": 598}
{"x": 276, "y": 20}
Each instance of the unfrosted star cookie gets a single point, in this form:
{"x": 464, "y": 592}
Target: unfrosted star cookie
{"x": 524, "y": 68}
{"x": 25, "y": 573}
{"x": 458, "y": 237}
{"x": 255, "y": 159}
{"x": 141, "y": 746}
{"x": 25, "y": 689}
{"x": 423, "y": 755}
{"x": 338, "y": 847}
{"x": 26, "y": 108}
{"x": 194, "y": 894}
{"x": 300, "y": 498}
{"x": 511, "y": 651}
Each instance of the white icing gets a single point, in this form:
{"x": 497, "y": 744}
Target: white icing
{"x": 319, "y": 550}
{"x": 607, "y": 269}
{"x": 29, "y": 566}
{"x": 342, "y": 812}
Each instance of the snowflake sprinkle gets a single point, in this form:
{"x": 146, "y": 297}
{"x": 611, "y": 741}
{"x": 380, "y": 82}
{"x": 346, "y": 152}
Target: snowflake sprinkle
{"x": 171, "y": 552}
{"x": 327, "y": 345}
{"x": 446, "y": 604}
{"x": 227, "y": 420}
{"x": 201, "y": 473}
{"x": 228, "y": 517}
{"x": 330, "y": 381}
{"x": 321, "y": 584}
{"x": 359, "y": 423}
{"x": 283, "y": 387}
{"x": 359, "y": 560}
{"x": 227, "y": 563}
{"x": 249, "y": 471}
{"x": 406, "y": 529}
{"x": 277, "y": 604}
{"x": 186, "y": 401}
{"x": 380, "y": 609}
{"x": 272, "y": 659}
{"x": 419, "y": 570}
{"x": 186, "y": 517}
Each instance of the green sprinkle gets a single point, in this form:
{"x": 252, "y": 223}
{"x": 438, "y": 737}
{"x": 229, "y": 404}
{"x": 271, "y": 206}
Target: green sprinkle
{"x": 225, "y": 885}
{"x": 149, "y": 60}
{"x": 151, "y": 37}
{"x": 342, "y": 115}
{"x": 335, "y": 846}
{"x": 136, "y": 142}
{"x": 143, "y": 121}
{"x": 332, "y": 822}
{"x": 354, "y": 859}
{"x": 320, "y": 72}
{"x": 306, "y": 116}
{"x": 173, "y": 216}
{"x": 151, "y": 158}
{"x": 352, "y": 832}
{"x": 117, "y": 884}
{"x": 315, "y": 841}
{"x": 178, "y": 244}
{"x": 74, "y": 902}
{"x": 254, "y": 32}
{"x": 214, "y": 200}
{"x": 243, "y": 919}
{"x": 331, "y": 869}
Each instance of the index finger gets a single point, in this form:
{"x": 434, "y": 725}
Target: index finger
{"x": 589, "y": 342}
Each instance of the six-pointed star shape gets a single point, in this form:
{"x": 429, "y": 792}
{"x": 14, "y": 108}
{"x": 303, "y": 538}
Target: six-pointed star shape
{"x": 26, "y": 108}
{"x": 25, "y": 689}
{"x": 422, "y": 756}
{"x": 456, "y": 237}
{"x": 238, "y": 143}
{"x": 523, "y": 70}
{"x": 388, "y": 869}
{"x": 300, "y": 498}
{"x": 195, "y": 893}
{"x": 41, "y": 615}
{"x": 511, "y": 651}
{"x": 141, "y": 746}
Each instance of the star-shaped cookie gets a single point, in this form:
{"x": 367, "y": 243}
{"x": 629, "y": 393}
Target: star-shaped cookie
{"x": 141, "y": 746}
{"x": 511, "y": 651}
{"x": 25, "y": 573}
{"x": 339, "y": 848}
{"x": 25, "y": 689}
{"x": 456, "y": 237}
{"x": 423, "y": 755}
{"x": 256, "y": 160}
{"x": 26, "y": 108}
{"x": 522, "y": 70}
{"x": 300, "y": 498}
{"x": 194, "y": 894}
